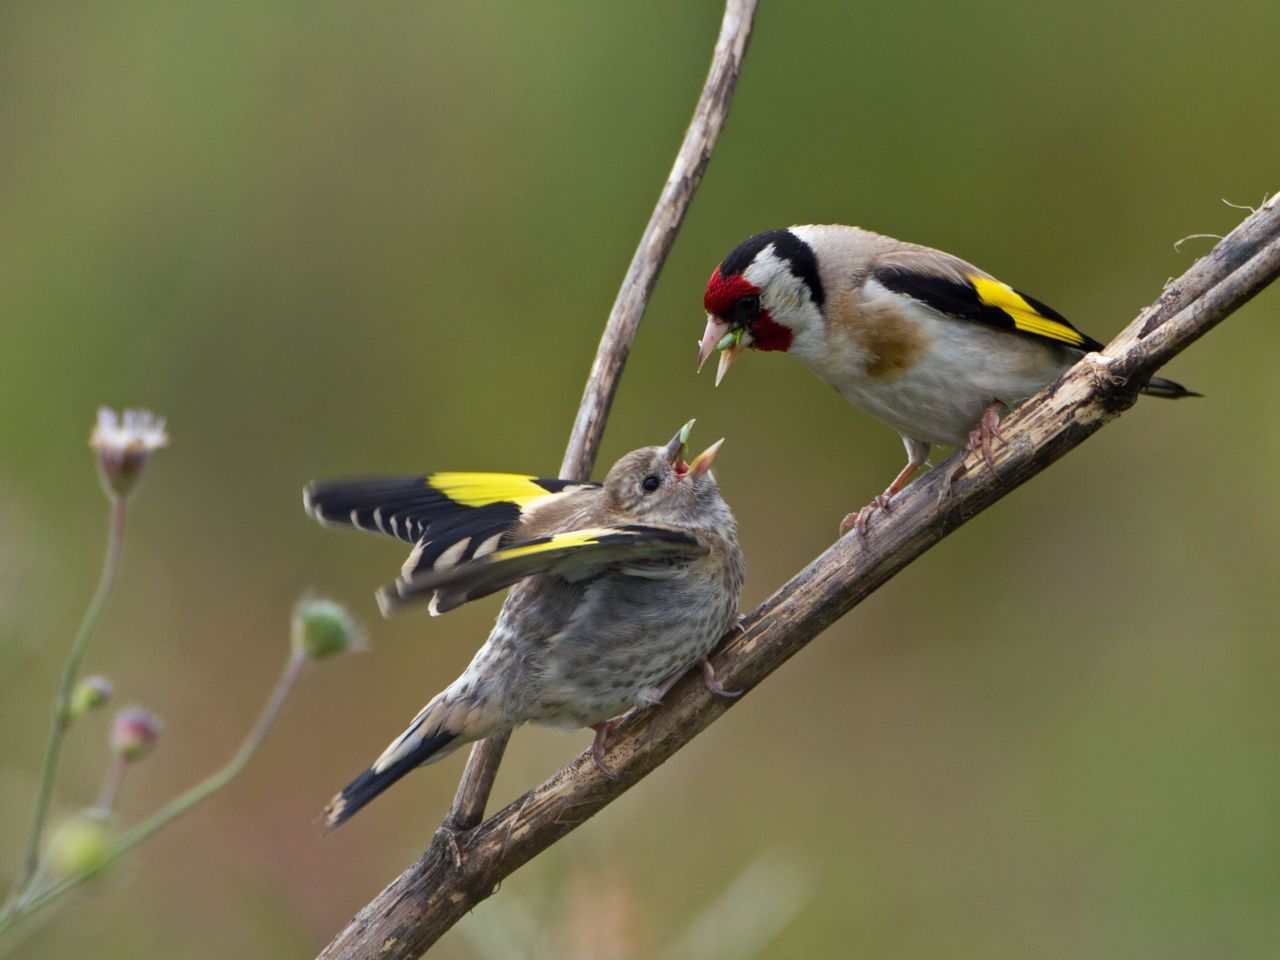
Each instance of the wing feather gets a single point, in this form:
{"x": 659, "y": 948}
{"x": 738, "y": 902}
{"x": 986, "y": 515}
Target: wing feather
{"x": 448, "y": 517}
{"x": 957, "y": 289}
{"x": 573, "y": 555}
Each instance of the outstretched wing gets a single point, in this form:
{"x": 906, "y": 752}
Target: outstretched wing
{"x": 574, "y": 555}
{"x": 957, "y": 289}
{"x": 449, "y": 518}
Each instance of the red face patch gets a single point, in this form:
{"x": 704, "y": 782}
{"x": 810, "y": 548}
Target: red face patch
{"x": 768, "y": 334}
{"x": 723, "y": 292}
{"x": 721, "y": 299}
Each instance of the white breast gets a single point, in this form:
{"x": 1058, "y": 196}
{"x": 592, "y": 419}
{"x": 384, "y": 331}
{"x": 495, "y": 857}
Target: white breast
{"x": 958, "y": 367}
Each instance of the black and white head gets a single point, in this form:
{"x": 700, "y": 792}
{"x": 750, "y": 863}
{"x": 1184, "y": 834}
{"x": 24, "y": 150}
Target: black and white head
{"x": 767, "y": 294}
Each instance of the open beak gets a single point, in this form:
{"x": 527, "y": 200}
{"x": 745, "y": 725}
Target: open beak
{"x": 719, "y": 336}
{"x": 702, "y": 462}
{"x": 678, "y": 448}
{"x": 716, "y": 329}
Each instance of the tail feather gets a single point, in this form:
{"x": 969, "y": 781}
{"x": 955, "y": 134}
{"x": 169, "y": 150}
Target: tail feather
{"x": 1160, "y": 387}
{"x": 378, "y": 777}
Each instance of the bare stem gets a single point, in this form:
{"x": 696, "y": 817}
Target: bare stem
{"x": 624, "y": 320}
{"x": 116, "y": 770}
{"x": 61, "y": 703}
{"x": 442, "y": 886}
{"x": 177, "y": 807}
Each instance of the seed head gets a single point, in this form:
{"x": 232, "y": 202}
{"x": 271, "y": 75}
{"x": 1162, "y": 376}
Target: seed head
{"x": 124, "y": 444}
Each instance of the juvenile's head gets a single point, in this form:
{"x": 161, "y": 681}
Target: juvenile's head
{"x": 657, "y": 485}
{"x": 764, "y": 295}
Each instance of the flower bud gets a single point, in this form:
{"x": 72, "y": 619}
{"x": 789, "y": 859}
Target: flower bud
{"x": 134, "y": 733}
{"x": 124, "y": 444}
{"x": 89, "y": 694}
{"x": 81, "y": 844}
{"x": 322, "y": 628}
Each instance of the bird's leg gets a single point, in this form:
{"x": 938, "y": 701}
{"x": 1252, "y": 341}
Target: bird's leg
{"x": 712, "y": 681}
{"x": 917, "y": 454}
{"x": 980, "y": 437}
{"x": 988, "y": 428}
{"x": 597, "y": 745}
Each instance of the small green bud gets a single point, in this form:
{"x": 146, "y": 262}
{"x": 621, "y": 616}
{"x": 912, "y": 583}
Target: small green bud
{"x": 89, "y": 694}
{"x": 323, "y": 628}
{"x": 134, "y": 733}
{"x": 81, "y": 844}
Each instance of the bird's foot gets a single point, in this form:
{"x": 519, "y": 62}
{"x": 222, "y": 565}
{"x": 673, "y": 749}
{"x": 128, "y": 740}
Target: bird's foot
{"x": 987, "y": 430}
{"x": 858, "y": 519}
{"x": 597, "y": 745}
{"x": 713, "y": 682}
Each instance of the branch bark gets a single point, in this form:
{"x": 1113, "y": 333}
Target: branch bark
{"x": 433, "y": 894}
{"x": 620, "y": 329}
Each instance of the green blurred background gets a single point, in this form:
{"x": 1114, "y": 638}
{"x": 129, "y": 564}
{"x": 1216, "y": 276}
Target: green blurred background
{"x": 326, "y": 238}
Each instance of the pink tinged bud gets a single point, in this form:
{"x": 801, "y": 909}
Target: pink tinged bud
{"x": 90, "y": 694}
{"x": 323, "y": 628}
{"x": 134, "y": 733}
{"x": 82, "y": 844}
{"x": 124, "y": 444}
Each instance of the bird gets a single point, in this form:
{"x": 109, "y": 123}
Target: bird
{"x": 617, "y": 589}
{"x": 924, "y": 341}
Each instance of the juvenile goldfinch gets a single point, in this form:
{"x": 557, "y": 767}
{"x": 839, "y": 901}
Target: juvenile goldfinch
{"x": 619, "y": 588}
{"x": 923, "y": 341}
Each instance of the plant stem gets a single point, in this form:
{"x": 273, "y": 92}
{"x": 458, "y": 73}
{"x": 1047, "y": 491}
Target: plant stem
{"x": 111, "y": 784}
{"x": 61, "y": 719}
{"x": 177, "y": 807}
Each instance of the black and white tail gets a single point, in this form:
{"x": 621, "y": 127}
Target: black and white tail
{"x": 430, "y": 737}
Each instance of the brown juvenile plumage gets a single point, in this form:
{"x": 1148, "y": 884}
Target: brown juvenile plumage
{"x": 618, "y": 589}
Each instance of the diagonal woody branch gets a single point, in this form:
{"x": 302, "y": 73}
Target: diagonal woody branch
{"x": 624, "y": 320}
{"x": 433, "y": 894}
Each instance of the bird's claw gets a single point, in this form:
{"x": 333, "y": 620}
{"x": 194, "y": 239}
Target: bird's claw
{"x": 858, "y": 519}
{"x": 597, "y": 746}
{"x": 713, "y": 682}
{"x": 987, "y": 430}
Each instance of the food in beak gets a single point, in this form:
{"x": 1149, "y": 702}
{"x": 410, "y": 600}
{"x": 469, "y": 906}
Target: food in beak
{"x": 678, "y": 448}
{"x": 718, "y": 336}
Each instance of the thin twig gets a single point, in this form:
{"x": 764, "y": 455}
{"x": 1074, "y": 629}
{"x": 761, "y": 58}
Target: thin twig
{"x": 433, "y": 894}
{"x": 61, "y": 703}
{"x": 620, "y": 330}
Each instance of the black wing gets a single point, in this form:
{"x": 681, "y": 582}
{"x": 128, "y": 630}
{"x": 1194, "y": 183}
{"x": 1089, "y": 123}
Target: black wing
{"x": 958, "y": 290}
{"x": 448, "y": 517}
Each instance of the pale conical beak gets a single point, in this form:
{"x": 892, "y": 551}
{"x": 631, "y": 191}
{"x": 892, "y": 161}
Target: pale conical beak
{"x": 727, "y": 356}
{"x": 716, "y": 329}
{"x": 702, "y": 462}
{"x": 678, "y": 448}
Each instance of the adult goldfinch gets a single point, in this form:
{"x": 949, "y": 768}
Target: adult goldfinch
{"x": 925, "y": 342}
{"x": 618, "y": 589}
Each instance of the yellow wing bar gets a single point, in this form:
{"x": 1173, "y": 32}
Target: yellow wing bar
{"x": 483, "y": 489}
{"x": 1025, "y": 317}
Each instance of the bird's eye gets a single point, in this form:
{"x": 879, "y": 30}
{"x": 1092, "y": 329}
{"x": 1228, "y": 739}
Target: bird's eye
{"x": 749, "y": 306}
{"x": 651, "y": 483}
